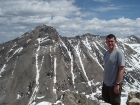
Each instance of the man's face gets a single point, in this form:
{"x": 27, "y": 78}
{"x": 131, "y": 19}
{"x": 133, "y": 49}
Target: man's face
{"x": 111, "y": 43}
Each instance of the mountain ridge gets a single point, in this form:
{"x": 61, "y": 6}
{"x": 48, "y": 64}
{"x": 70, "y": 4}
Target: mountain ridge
{"x": 41, "y": 65}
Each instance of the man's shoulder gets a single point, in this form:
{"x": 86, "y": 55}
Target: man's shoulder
{"x": 119, "y": 50}
{"x": 105, "y": 52}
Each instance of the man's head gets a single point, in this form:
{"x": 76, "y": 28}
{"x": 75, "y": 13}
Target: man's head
{"x": 111, "y": 41}
{"x": 111, "y": 36}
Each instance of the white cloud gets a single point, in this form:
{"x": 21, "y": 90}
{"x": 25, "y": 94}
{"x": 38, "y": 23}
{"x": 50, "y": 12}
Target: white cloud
{"x": 101, "y": 0}
{"x": 120, "y": 27}
{"x": 59, "y": 19}
{"x": 33, "y": 7}
{"x": 19, "y": 27}
{"x": 18, "y": 17}
{"x": 107, "y": 8}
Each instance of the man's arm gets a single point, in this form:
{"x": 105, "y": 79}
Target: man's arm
{"x": 119, "y": 78}
{"x": 120, "y": 74}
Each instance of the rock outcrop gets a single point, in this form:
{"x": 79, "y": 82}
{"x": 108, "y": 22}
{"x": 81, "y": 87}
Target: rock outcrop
{"x": 133, "y": 98}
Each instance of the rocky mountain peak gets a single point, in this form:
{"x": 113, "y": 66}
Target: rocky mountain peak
{"x": 41, "y": 31}
{"x": 134, "y": 39}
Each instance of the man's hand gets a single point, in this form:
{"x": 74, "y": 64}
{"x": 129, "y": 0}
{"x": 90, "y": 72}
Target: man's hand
{"x": 117, "y": 89}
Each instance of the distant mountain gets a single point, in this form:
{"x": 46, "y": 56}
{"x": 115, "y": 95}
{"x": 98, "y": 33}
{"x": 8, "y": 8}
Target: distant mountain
{"x": 43, "y": 67}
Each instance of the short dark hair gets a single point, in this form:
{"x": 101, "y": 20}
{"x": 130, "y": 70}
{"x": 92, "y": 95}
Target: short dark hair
{"x": 111, "y": 36}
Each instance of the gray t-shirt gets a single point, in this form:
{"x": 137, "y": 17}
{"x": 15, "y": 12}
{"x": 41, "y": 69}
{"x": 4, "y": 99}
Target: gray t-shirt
{"x": 112, "y": 61}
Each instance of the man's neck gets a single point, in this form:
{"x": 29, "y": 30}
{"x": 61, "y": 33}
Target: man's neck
{"x": 110, "y": 50}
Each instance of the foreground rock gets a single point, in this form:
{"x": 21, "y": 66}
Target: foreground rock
{"x": 133, "y": 98}
{"x": 134, "y": 101}
{"x": 105, "y": 104}
{"x": 70, "y": 98}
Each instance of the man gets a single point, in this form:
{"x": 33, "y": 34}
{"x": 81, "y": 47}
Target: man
{"x": 114, "y": 63}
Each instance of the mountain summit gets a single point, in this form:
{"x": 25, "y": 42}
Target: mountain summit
{"x": 43, "y": 66}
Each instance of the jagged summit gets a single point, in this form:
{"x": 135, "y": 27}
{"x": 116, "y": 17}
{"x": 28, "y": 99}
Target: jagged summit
{"x": 133, "y": 39}
{"x": 42, "y": 66}
{"x": 89, "y": 34}
{"x": 42, "y": 31}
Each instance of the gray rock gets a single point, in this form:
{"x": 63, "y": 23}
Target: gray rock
{"x": 132, "y": 97}
{"x": 134, "y": 101}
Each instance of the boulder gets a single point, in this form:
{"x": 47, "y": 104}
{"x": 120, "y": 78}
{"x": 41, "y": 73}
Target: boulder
{"x": 105, "y": 104}
{"x": 133, "y": 96}
{"x": 134, "y": 101}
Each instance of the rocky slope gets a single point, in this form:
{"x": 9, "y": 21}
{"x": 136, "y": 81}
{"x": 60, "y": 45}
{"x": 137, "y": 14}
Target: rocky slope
{"x": 43, "y": 66}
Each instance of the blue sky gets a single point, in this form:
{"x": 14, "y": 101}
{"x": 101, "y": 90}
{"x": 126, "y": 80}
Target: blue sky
{"x": 70, "y": 17}
{"x": 109, "y": 9}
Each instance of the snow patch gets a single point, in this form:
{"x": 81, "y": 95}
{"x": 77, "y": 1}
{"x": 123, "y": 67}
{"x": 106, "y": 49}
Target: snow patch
{"x": 40, "y": 97}
{"x": 44, "y": 103}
